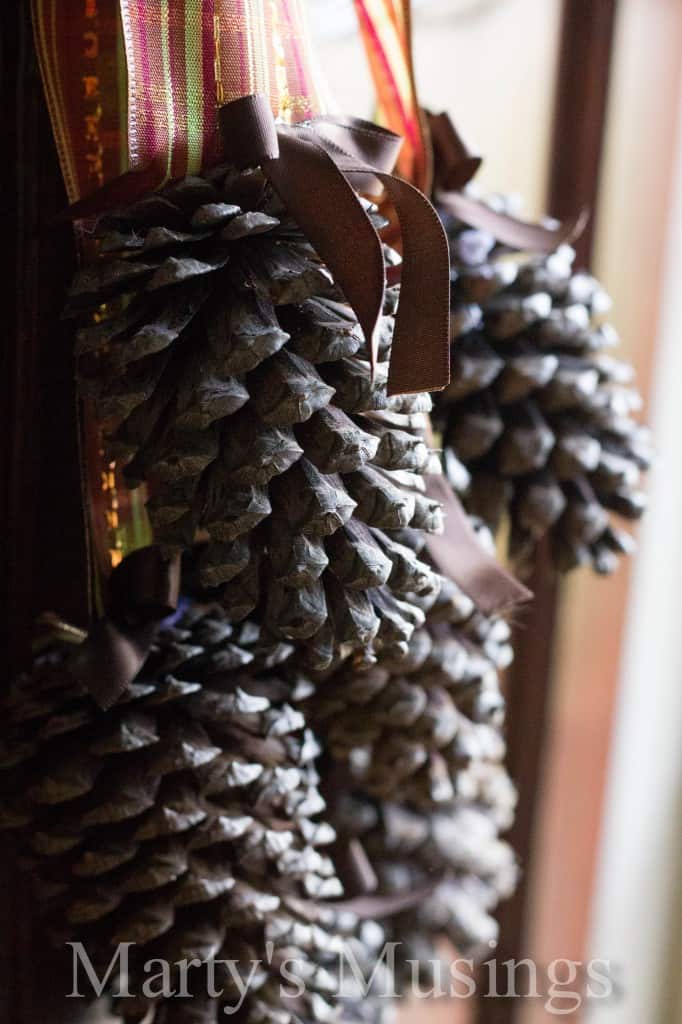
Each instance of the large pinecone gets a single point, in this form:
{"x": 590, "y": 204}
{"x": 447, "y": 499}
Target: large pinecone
{"x": 538, "y": 410}
{"x": 419, "y": 775}
{"x": 185, "y": 819}
{"x": 231, "y": 377}
{"x": 411, "y": 727}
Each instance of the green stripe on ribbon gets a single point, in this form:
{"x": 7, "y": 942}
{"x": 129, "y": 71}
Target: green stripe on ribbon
{"x": 194, "y": 78}
{"x": 167, "y": 82}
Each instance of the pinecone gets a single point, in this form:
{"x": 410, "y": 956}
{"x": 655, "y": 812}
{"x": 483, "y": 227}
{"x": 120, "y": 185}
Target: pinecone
{"x": 418, "y": 772}
{"x": 230, "y": 376}
{"x": 297, "y": 945}
{"x": 457, "y": 846}
{"x": 538, "y": 410}
{"x": 184, "y": 819}
{"x": 410, "y": 727}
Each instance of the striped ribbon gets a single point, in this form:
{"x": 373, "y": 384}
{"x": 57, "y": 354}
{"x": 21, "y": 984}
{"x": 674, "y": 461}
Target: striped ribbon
{"x": 187, "y": 56}
{"x": 79, "y": 45}
{"x": 386, "y": 30}
{"x": 183, "y": 58}
{"x": 80, "y": 53}
{"x": 137, "y": 82}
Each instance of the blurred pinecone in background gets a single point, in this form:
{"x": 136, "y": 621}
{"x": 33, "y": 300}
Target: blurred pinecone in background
{"x": 418, "y": 776}
{"x": 230, "y": 376}
{"x": 409, "y": 727}
{"x": 184, "y": 820}
{"x": 456, "y": 847}
{"x": 539, "y": 411}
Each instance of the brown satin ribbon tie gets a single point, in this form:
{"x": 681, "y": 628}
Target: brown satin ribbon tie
{"x": 311, "y": 165}
{"x": 371, "y": 907}
{"x": 142, "y": 591}
{"x": 458, "y": 554}
{"x": 454, "y": 167}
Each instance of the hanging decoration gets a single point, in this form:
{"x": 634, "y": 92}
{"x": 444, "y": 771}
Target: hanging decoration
{"x": 254, "y": 361}
{"x": 539, "y": 412}
{"x": 169, "y": 134}
{"x": 185, "y": 819}
{"x": 231, "y": 376}
{"x": 539, "y": 424}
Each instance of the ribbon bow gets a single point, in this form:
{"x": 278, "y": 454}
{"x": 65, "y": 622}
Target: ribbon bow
{"x": 454, "y": 165}
{"x": 310, "y": 166}
{"x": 142, "y": 591}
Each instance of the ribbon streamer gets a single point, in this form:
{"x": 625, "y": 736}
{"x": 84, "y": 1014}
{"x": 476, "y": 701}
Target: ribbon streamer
{"x": 376, "y": 907}
{"x": 455, "y": 166}
{"x": 143, "y": 590}
{"x": 458, "y": 554}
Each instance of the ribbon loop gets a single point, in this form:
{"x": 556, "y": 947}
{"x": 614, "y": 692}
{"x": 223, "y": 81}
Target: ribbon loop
{"x": 310, "y": 169}
{"x": 248, "y": 131}
{"x": 327, "y": 209}
{"x": 454, "y": 167}
{"x": 363, "y": 140}
{"x": 143, "y": 590}
{"x": 454, "y": 164}
{"x": 417, "y": 362}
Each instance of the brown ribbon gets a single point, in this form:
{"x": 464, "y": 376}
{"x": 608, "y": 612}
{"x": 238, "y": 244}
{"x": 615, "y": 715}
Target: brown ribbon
{"x": 454, "y": 167}
{"x": 353, "y": 867}
{"x": 367, "y": 907}
{"x": 142, "y": 591}
{"x": 458, "y": 554}
{"x": 311, "y": 165}
{"x": 379, "y": 906}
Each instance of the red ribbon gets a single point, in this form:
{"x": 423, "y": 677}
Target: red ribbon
{"x": 386, "y": 31}
{"x": 437, "y": 159}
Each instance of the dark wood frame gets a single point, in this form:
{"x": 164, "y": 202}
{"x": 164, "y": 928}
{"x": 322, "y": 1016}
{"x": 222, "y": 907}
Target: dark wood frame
{"x": 39, "y": 463}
